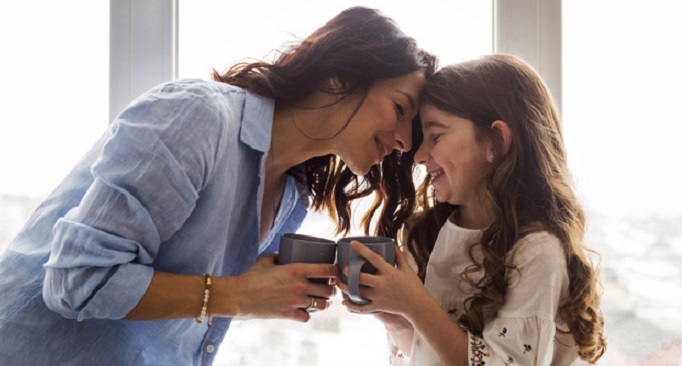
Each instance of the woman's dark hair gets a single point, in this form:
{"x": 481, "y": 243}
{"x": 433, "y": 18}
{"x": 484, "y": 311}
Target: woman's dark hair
{"x": 530, "y": 188}
{"x": 358, "y": 47}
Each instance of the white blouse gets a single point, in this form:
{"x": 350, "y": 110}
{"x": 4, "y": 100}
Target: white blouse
{"x": 524, "y": 332}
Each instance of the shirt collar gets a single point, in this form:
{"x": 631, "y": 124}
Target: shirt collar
{"x": 256, "y": 128}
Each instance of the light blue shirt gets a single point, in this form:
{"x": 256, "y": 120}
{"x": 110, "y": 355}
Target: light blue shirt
{"x": 175, "y": 185}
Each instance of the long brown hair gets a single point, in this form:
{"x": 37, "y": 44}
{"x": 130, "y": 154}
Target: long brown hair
{"x": 359, "y": 46}
{"x": 530, "y": 188}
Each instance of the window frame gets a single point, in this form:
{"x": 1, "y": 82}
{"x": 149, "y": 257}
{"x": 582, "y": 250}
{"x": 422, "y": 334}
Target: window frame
{"x": 143, "y": 48}
{"x": 144, "y": 43}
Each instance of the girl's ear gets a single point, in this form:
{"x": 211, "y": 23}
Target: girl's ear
{"x": 503, "y": 135}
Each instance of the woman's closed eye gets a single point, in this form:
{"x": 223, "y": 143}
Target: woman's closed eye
{"x": 400, "y": 110}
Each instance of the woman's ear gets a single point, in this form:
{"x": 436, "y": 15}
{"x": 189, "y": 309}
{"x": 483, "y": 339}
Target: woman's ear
{"x": 503, "y": 135}
{"x": 337, "y": 85}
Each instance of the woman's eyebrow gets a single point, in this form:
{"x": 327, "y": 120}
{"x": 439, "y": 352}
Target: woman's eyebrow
{"x": 409, "y": 98}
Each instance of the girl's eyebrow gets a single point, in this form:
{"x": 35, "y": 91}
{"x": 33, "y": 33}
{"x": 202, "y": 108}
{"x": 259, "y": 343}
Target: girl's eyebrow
{"x": 433, "y": 124}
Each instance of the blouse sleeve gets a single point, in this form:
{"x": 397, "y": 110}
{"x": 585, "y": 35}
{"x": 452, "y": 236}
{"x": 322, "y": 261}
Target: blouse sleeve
{"x": 146, "y": 181}
{"x": 524, "y": 330}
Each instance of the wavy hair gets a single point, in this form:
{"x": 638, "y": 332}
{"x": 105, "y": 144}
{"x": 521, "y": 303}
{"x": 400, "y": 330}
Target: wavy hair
{"x": 359, "y": 46}
{"x": 530, "y": 189}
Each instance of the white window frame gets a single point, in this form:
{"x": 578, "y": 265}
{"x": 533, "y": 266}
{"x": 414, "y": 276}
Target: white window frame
{"x": 144, "y": 50}
{"x": 531, "y": 29}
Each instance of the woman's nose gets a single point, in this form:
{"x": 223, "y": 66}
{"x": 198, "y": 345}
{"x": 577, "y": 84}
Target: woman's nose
{"x": 403, "y": 137}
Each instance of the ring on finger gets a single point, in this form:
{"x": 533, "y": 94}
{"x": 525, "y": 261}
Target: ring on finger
{"x": 313, "y": 305}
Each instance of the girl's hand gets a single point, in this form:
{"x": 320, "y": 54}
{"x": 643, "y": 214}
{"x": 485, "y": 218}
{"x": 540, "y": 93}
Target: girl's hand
{"x": 395, "y": 290}
{"x": 393, "y": 322}
{"x": 269, "y": 290}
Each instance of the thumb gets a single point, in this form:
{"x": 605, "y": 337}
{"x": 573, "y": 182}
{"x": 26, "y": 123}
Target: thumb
{"x": 400, "y": 259}
{"x": 267, "y": 259}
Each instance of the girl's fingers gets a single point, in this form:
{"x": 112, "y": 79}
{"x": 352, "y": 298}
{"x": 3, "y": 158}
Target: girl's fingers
{"x": 374, "y": 259}
{"x": 400, "y": 259}
{"x": 366, "y": 280}
{"x": 363, "y": 309}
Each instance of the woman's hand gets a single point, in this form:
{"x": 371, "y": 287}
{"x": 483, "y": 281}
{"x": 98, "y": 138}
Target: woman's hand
{"x": 268, "y": 290}
{"x": 395, "y": 290}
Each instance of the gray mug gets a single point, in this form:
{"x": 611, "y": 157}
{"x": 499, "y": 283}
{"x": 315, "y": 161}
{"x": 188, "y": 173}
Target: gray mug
{"x": 300, "y": 248}
{"x": 383, "y": 246}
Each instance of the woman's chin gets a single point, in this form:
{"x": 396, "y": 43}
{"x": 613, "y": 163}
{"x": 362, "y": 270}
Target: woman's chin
{"x": 359, "y": 170}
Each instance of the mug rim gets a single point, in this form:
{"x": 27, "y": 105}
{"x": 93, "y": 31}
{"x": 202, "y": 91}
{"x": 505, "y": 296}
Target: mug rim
{"x": 369, "y": 238}
{"x": 306, "y": 238}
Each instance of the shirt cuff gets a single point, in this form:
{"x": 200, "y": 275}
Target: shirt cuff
{"x": 120, "y": 294}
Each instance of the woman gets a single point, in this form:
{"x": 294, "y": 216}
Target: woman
{"x": 165, "y": 230}
{"x": 503, "y": 276}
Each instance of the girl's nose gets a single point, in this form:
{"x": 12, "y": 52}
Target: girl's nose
{"x": 421, "y": 156}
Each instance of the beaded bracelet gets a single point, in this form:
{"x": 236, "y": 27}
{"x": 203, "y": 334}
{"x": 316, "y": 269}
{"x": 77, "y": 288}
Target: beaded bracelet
{"x": 204, "y": 306}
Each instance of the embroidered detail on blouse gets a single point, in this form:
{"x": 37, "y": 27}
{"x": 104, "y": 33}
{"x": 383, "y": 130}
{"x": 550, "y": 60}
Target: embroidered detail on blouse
{"x": 477, "y": 352}
{"x": 394, "y": 358}
{"x": 510, "y": 361}
{"x": 527, "y": 348}
{"x": 503, "y": 333}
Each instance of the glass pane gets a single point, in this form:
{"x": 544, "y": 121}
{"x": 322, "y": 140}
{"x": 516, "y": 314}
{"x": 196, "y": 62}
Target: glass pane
{"x": 55, "y": 73}
{"x": 622, "y": 126}
{"x": 216, "y": 34}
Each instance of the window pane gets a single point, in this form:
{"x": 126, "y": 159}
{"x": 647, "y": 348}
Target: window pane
{"x": 55, "y": 73}
{"x": 621, "y": 91}
{"x": 216, "y": 34}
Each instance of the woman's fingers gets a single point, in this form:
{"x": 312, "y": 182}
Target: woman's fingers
{"x": 312, "y": 271}
{"x": 313, "y": 304}
{"x": 321, "y": 290}
{"x": 297, "y": 315}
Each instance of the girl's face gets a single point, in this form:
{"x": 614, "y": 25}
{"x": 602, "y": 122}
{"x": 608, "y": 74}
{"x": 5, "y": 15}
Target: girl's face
{"x": 382, "y": 124}
{"x": 452, "y": 155}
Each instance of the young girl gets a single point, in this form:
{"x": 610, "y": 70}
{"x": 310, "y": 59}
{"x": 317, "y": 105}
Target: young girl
{"x": 503, "y": 277}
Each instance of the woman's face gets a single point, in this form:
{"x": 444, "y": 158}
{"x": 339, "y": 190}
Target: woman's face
{"x": 453, "y": 157}
{"x": 382, "y": 124}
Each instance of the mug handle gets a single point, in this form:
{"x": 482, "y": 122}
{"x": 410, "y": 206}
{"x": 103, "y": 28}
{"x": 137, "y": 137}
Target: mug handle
{"x": 354, "y": 268}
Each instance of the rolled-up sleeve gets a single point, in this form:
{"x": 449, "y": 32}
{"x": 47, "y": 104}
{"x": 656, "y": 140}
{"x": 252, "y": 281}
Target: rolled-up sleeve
{"x": 146, "y": 183}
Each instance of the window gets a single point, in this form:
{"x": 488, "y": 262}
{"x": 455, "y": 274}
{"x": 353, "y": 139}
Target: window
{"x": 620, "y": 88}
{"x": 55, "y": 74}
{"x": 216, "y": 34}
{"x": 621, "y": 81}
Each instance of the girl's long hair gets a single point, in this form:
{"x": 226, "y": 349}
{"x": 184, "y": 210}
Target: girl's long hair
{"x": 358, "y": 47}
{"x": 530, "y": 188}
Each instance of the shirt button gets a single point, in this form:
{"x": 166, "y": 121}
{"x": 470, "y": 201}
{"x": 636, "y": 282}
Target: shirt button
{"x": 210, "y": 348}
